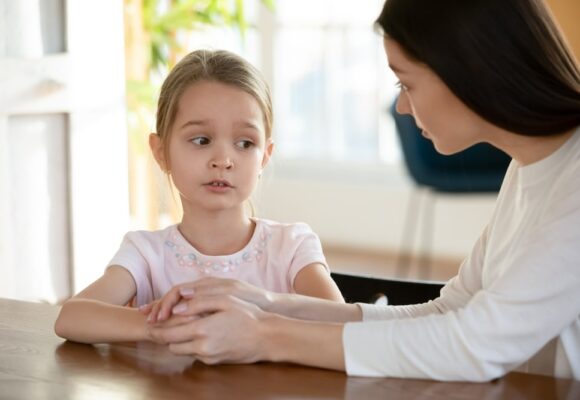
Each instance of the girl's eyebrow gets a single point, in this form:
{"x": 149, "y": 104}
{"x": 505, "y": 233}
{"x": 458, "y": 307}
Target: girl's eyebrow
{"x": 200, "y": 122}
{"x": 247, "y": 124}
{"x": 204, "y": 122}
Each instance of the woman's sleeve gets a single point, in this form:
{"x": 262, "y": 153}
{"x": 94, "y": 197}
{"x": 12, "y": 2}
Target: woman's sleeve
{"x": 455, "y": 294}
{"x": 502, "y": 326}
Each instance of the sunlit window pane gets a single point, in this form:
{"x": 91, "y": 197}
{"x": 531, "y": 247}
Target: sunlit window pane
{"x": 222, "y": 38}
{"x": 330, "y": 80}
{"x": 332, "y": 86}
{"x": 322, "y": 12}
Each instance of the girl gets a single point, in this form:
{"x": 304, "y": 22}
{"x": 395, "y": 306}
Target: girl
{"x": 493, "y": 71}
{"x": 214, "y": 123}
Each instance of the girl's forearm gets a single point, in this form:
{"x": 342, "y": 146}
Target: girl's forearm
{"x": 317, "y": 344}
{"x": 310, "y": 308}
{"x": 91, "y": 321}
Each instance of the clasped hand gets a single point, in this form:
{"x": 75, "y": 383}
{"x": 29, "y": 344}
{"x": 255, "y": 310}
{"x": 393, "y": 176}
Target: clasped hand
{"x": 215, "y": 320}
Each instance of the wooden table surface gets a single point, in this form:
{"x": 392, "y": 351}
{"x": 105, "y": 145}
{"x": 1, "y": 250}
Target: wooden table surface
{"x": 36, "y": 364}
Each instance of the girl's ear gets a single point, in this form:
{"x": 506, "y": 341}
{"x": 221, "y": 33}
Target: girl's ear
{"x": 267, "y": 152}
{"x": 157, "y": 149}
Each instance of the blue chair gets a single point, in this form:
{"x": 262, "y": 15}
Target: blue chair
{"x": 479, "y": 169}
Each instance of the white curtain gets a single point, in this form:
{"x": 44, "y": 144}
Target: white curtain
{"x": 35, "y": 234}
{"x": 34, "y": 224}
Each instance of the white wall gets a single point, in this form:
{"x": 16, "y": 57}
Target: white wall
{"x": 364, "y": 208}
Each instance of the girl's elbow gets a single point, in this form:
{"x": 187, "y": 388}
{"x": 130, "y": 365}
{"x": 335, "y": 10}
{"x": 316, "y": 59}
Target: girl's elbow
{"x": 338, "y": 298}
{"x": 61, "y": 325}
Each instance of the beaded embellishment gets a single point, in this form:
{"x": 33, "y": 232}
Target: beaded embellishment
{"x": 188, "y": 259}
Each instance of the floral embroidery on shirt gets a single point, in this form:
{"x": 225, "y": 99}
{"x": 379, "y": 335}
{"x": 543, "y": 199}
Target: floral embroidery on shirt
{"x": 185, "y": 258}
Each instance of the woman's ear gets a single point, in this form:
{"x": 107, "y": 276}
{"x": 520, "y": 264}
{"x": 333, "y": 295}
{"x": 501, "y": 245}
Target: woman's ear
{"x": 267, "y": 152}
{"x": 158, "y": 151}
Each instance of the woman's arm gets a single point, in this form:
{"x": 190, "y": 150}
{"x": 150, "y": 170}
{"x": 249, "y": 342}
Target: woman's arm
{"x": 289, "y": 305}
{"x": 315, "y": 281}
{"x": 456, "y": 293}
{"x": 317, "y": 344}
{"x": 97, "y": 314}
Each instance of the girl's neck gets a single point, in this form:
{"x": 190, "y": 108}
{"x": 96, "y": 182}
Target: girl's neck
{"x": 217, "y": 234}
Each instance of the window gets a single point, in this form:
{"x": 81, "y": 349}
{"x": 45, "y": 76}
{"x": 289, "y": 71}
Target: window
{"x": 329, "y": 77}
{"x": 332, "y": 86}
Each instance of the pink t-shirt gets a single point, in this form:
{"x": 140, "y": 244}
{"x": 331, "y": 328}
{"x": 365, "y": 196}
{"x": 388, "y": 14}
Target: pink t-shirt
{"x": 271, "y": 260}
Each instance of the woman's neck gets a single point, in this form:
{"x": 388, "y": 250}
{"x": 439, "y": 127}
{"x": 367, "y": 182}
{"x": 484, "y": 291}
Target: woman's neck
{"x": 219, "y": 233}
{"x": 530, "y": 149}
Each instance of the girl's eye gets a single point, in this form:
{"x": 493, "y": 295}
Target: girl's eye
{"x": 200, "y": 141}
{"x": 401, "y": 86}
{"x": 245, "y": 144}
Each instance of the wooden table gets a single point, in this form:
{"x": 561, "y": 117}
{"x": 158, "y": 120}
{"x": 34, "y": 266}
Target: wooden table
{"x": 36, "y": 364}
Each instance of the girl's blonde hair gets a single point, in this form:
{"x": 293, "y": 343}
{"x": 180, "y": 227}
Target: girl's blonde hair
{"x": 207, "y": 65}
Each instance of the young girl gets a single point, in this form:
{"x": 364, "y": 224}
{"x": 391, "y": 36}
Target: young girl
{"x": 214, "y": 123}
{"x": 493, "y": 71}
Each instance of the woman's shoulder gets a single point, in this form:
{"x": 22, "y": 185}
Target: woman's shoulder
{"x": 563, "y": 166}
{"x": 558, "y": 169}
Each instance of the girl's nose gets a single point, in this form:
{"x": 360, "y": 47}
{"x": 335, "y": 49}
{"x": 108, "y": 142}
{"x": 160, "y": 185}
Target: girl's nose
{"x": 222, "y": 162}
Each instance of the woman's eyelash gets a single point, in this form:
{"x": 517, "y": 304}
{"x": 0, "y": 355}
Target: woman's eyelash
{"x": 399, "y": 85}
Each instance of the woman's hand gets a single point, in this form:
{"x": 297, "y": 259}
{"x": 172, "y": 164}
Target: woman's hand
{"x": 221, "y": 328}
{"x": 226, "y": 329}
{"x": 172, "y": 302}
{"x": 175, "y": 320}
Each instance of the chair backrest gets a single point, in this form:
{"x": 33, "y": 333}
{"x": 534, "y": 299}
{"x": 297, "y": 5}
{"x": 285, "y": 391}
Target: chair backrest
{"x": 480, "y": 168}
{"x": 398, "y": 292}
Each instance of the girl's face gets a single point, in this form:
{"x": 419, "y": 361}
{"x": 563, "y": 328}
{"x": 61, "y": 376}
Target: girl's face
{"x": 217, "y": 147}
{"x": 442, "y": 117}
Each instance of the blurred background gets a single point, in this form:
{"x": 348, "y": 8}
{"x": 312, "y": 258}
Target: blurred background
{"x": 78, "y": 87}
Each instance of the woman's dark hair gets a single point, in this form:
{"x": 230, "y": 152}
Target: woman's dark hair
{"x": 505, "y": 59}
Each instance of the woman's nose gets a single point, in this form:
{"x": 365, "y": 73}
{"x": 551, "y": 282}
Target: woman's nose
{"x": 402, "y": 105}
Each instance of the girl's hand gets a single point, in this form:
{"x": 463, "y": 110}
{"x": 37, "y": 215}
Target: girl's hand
{"x": 151, "y": 329}
{"x": 147, "y": 308}
{"x": 173, "y": 300}
{"x": 222, "y": 328}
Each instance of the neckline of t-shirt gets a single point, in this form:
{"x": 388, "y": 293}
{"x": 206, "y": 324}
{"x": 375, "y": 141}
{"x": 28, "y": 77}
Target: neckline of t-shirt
{"x": 240, "y": 253}
{"x": 532, "y": 173}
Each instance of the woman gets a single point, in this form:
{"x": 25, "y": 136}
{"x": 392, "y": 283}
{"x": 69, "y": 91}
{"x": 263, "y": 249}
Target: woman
{"x": 493, "y": 71}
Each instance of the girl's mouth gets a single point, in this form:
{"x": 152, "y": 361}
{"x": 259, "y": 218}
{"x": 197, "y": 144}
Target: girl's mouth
{"x": 219, "y": 184}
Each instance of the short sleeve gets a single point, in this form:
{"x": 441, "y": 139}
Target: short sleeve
{"x": 308, "y": 250}
{"x": 130, "y": 256}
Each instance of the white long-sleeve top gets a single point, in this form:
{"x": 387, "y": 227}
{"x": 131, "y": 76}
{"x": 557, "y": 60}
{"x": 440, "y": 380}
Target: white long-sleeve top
{"x": 514, "y": 303}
